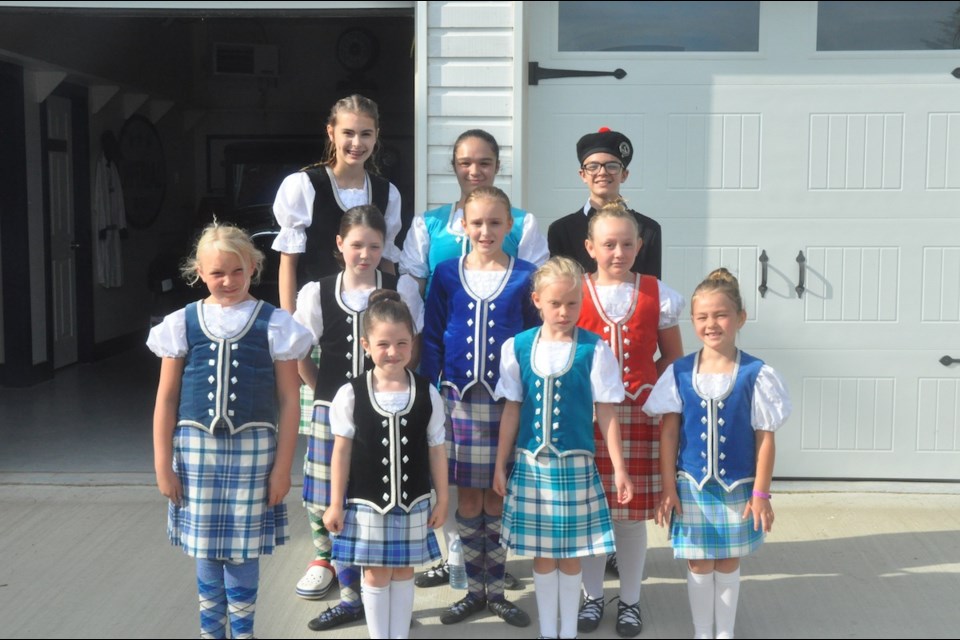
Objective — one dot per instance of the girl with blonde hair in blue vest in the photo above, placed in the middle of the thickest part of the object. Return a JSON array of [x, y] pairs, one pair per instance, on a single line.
[[332, 308], [554, 379], [225, 426], [720, 408], [476, 303], [390, 447]]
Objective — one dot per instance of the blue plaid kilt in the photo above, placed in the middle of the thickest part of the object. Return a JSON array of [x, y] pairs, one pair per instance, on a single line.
[[306, 397], [392, 539], [473, 430], [316, 461], [224, 513], [711, 527], [555, 508]]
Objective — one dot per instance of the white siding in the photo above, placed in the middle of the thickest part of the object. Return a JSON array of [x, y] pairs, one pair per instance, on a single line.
[[471, 83]]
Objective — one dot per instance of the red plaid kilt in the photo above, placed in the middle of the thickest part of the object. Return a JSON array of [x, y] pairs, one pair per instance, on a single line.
[[641, 452]]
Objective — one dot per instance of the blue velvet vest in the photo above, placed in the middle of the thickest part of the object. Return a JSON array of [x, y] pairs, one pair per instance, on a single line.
[[463, 334], [716, 436], [228, 381], [557, 410]]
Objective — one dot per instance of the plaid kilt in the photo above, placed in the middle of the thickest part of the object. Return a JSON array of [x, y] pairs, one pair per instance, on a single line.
[[711, 527], [473, 430], [224, 513], [641, 452], [316, 461], [555, 508], [306, 397], [392, 539]]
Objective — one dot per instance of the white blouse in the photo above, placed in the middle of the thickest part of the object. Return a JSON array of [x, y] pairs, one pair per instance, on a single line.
[[415, 259], [771, 402], [288, 340], [616, 300], [484, 283], [341, 412], [293, 208], [309, 311], [551, 357]]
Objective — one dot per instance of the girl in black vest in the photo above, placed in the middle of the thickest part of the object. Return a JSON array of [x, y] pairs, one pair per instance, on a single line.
[[390, 446], [332, 308]]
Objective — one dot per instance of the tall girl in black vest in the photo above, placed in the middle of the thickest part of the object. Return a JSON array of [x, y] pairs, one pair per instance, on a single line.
[[390, 420], [332, 308], [308, 208]]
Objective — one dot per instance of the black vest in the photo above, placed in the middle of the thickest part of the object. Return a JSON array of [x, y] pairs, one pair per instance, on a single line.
[[389, 460], [342, 359], [319, 258]]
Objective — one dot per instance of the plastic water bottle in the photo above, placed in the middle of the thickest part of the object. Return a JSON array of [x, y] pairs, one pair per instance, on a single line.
[[458, 573]]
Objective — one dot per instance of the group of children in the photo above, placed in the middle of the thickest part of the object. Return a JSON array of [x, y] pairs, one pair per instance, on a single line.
[[472, 369]]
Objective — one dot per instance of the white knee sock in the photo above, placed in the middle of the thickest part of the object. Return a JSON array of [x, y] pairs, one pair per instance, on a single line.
[[546, 587], [700, 590], [569, 603], [631, 536], [401, 608], [593, 569], [376, 607], [725, 603]]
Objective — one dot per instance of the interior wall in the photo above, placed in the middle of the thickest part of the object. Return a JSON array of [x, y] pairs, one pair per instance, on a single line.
[[170, 58]]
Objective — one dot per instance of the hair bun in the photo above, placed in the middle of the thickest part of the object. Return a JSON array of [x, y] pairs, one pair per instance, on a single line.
[[722, 275], [381, 295]]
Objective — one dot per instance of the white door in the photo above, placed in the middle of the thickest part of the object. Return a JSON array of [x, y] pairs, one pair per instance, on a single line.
[[852, 159], [62, 231]]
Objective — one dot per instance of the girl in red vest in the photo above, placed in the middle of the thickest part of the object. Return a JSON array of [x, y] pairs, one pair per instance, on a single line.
[[637, 315]]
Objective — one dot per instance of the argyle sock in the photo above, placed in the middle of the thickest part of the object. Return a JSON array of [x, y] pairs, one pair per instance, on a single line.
[[241, 578], [349, 577], [473, 543], [321, 537], [495, 557], [213, 598]]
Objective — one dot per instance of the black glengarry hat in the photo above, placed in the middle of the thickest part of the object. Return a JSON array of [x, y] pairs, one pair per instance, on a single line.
[[605, 141]]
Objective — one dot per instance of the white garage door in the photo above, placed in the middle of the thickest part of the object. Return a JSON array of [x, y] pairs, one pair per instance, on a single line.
[[850, 158]]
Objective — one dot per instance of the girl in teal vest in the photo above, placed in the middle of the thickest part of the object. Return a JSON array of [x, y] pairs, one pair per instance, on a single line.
[[553, 379]]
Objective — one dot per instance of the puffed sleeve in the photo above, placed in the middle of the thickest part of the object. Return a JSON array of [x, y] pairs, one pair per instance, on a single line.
[[293, 209], [416, 247], [771, 401], [288, 339], [309, 312], [509, 386], [393, 220], [409, 292], [341, 412], [665, 397], [169, 338], [605, 377], [533, 245], [436, 429], [671, 306]]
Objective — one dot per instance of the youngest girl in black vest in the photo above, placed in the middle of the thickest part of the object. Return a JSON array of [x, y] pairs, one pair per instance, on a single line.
[[389, 428]]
